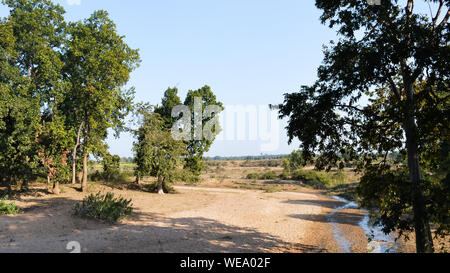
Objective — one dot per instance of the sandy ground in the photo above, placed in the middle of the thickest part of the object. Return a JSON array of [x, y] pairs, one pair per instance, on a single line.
[[193, 220]]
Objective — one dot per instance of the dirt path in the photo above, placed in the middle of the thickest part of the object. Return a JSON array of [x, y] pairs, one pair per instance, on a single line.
[[194, 220]]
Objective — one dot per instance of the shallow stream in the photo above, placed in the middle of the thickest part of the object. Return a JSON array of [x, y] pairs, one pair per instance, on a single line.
[[379, 243]]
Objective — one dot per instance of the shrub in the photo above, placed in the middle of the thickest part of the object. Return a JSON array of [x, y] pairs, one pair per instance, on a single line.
[[314, 179], [104, 207], [111, 166], [268, 175], [339, 178], [253, 176], [265, 176], [116, 177], [285, 175], [8, 208]]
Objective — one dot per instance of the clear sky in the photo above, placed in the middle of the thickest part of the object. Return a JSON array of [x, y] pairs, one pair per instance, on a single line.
[[250, 52]]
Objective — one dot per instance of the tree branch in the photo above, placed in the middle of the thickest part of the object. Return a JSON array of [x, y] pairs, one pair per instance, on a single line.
[[445, 20], [394, 88], [350, 106], [410, 8], [438, 13]]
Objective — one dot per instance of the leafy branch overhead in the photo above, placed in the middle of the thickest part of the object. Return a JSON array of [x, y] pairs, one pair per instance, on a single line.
[[382, 88]]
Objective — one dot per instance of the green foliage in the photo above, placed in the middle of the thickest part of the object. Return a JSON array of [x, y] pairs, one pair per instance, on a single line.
[[389, 192], [8, 208], [252, 176], [57, 81], [197, 146], [395, 59], [270, 175], [153, 188], [97, 66], [296, 160], [320, 180], [158, 154], [317, 180], [111, 166], [169, 101], [116, 177], [104, 207]]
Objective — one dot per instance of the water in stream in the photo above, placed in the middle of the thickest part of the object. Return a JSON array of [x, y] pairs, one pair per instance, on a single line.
[[380, 242]]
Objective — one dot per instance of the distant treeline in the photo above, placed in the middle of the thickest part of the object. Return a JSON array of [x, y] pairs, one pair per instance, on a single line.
[[259, 157]]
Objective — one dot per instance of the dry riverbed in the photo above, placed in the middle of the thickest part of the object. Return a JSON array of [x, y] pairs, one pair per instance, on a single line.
[[192, 220]]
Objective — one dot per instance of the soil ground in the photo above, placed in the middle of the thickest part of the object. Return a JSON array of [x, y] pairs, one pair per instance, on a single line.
[[194, 219]]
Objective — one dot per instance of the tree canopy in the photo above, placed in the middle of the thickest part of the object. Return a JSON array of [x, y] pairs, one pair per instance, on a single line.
[[382, 88]]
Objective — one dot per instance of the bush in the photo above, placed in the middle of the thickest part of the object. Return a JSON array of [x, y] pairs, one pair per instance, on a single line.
[[104, 207], [265, 176], [268, 175], [8, 208], [285, 175], [116, 177], [253, 176], [314, 179]]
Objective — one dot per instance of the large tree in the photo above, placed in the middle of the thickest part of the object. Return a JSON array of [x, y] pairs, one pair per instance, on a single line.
[[382, 88], [38, 31], [169, 101], [200, 139], [19, 115], [157, 153], [98, 64]]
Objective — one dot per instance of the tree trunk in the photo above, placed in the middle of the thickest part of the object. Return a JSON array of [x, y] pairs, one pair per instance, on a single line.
[[56, 189], [85, 156], [25, 186], [160, 185], [138, 180], [8, 185], [80, 176], [424, 239], [74, 156], [85, 172]]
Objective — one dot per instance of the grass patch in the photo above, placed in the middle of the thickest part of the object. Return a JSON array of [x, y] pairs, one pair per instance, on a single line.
[[254, 186], [104, 207], [116, 177], [8, 208], [320, 180], [270, 175]]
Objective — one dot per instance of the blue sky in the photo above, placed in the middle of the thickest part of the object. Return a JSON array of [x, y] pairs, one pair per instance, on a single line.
[[250, 52]]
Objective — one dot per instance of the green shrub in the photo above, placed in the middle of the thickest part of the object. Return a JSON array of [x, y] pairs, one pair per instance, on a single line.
[[253, 176], [314, 179], [339, 178], [265, 176], [8, 208], [268, 175], [285, 175], [116, 177], [104, 207]]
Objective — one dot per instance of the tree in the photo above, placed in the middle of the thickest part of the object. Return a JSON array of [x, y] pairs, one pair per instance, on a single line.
[[157, 153], [111, 165], [32, 82], [296, 160], [396, 59], [98, 64], [53, 147], [168, 103], [200, 141]]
